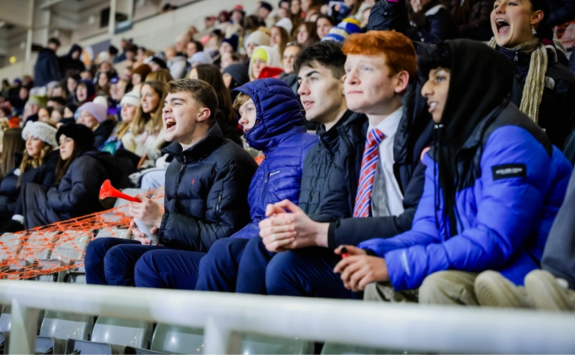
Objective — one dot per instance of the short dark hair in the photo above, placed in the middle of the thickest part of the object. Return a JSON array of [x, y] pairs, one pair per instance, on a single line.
[[132, 48], [326, 53], [55, 41], [440, 56], [200, 90], [112, 50]]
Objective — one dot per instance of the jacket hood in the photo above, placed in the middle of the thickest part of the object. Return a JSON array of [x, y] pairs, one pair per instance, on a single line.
[[273, 58], [492, 77], [73, 49], [89, 87], [278, 115]]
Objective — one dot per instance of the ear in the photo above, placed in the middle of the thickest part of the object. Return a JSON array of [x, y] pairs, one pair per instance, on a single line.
[[204, 115], [537, 17], [402, 81]]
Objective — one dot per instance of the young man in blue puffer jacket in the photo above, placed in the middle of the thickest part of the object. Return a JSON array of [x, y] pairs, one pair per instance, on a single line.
[[273, 123], [494, 184]]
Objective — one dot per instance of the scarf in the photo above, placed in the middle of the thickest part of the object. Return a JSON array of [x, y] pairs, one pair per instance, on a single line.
[[535, 81]]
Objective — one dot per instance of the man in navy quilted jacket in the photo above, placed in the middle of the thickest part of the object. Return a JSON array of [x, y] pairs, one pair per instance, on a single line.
[[205, 195], [273, 123], [493, 186]]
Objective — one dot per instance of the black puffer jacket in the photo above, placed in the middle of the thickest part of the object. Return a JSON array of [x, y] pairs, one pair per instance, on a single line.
[[413, 135], [331, 169], [68, 63], [557, 109], [9, 188], [206, 192], [77, 193]]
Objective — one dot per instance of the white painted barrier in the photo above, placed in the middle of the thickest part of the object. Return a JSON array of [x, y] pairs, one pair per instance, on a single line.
[[223, 316]]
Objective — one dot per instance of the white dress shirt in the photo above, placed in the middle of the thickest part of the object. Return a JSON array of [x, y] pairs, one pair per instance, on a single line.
[[386, 196]]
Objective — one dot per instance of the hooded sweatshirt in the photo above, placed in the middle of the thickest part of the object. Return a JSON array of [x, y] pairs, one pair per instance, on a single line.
[[493, 185], [68, 63], [280, 133], [267, 53]]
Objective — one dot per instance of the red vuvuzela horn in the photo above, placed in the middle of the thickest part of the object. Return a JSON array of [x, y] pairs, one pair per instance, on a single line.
[[107, 190]]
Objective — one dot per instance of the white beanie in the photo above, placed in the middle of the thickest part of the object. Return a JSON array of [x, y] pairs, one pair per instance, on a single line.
[[131, 98], [101, 100], [41, 130], [286, 24], [258, 37]]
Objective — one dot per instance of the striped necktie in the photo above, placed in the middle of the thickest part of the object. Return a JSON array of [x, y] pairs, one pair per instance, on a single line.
[[368, 166]]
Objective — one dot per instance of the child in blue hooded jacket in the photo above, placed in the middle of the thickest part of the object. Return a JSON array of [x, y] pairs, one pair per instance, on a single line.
[[273, 123]]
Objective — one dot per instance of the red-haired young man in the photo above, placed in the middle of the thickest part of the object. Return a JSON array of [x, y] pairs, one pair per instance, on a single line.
[[380, 72]]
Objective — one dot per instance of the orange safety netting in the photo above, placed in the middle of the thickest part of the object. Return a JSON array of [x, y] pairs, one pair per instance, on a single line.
[[61, 246]]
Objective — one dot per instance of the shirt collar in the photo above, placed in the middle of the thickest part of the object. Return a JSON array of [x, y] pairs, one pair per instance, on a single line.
[[390, 125]]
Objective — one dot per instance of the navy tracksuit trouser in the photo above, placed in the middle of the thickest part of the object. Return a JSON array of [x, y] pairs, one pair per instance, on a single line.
[[235, 265], [111, 261]]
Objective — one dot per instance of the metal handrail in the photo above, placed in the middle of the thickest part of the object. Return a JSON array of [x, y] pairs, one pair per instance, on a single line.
[[224, 316]]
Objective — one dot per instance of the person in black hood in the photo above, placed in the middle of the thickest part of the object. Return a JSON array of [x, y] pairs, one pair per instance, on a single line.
[[494, 183], [71, 61], [235, 75], [47, 68], [80, 172]]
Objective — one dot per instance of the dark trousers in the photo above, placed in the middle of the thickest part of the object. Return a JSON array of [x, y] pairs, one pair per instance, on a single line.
[[235, 265], [168, 268], [306, 272], [111, 261], [35, 206]]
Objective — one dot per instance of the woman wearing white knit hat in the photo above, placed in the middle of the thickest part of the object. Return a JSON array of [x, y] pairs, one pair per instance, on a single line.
[[130, 103], [38, 165]]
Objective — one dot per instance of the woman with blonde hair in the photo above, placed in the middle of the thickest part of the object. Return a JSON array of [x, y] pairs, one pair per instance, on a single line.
[[146, 134]]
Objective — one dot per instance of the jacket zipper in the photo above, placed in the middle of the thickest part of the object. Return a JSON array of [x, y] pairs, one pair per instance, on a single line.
[[218, 204], [180, 178]]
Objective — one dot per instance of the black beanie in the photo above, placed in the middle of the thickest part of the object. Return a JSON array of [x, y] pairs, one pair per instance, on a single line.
[[83, 136]]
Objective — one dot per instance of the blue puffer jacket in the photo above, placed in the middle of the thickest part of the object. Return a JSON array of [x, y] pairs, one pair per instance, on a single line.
[[512, 184], [280, 133]]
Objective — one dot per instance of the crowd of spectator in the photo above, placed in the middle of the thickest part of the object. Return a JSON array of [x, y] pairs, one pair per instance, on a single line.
[[417, 152]]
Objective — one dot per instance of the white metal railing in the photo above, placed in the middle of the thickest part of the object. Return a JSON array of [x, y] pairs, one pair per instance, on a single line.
[[223, 316]]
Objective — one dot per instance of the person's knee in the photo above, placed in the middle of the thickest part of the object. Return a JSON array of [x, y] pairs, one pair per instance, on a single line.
[[219, 252], [281, 272], [433, 285], [146, 272], [96, 251]]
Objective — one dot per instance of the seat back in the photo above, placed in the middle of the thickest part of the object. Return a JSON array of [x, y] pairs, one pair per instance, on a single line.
[[10, 245], [38, 246], [71, 245], [263, 344], [63, 325], [125, 332], [173, 339], [6, 319]]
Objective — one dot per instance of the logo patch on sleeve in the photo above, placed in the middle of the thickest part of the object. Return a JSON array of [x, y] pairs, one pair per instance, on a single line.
[[509, 171]]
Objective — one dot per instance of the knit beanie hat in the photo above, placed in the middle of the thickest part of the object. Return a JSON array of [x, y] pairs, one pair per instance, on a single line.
[[233, 41], [101, 100], [258, 37], [159, 61], [239, 74], [131, 98], [200, 58], [96, 110], [286, 24], [41, 130], [143, 70], [345, 28], [266, 5], [83, 136], [41, 101]]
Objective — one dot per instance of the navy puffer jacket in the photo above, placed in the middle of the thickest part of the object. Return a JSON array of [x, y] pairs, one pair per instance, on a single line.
[[280, 133], [206, 192]]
